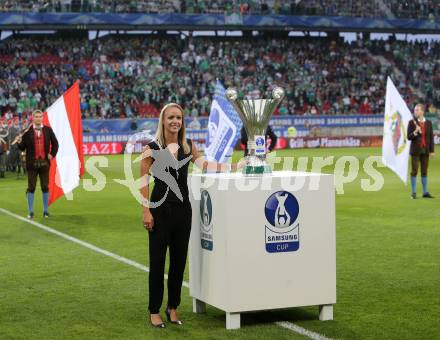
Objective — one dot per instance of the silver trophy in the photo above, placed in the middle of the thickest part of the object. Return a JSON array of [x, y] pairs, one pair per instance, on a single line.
[[255, 115]]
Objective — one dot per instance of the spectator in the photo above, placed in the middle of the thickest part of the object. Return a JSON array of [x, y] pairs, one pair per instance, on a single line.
[[423, 9], [131, 76]]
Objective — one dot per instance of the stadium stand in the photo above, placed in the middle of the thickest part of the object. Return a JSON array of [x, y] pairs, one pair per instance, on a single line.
[[355, 8], [132, 76]]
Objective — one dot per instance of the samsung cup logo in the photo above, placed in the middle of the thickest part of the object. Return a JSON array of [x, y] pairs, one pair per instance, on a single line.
[[259, 141], [282, 225], [260, 145], [206, 221]]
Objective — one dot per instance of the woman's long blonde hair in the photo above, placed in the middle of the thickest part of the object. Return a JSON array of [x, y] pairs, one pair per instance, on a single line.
[[181, 137]]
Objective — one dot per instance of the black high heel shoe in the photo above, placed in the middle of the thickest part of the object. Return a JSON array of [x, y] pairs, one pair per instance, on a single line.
[[177, 322], [160, 325]]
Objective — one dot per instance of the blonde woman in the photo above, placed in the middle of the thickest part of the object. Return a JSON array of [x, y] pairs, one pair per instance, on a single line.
[[167, 213]]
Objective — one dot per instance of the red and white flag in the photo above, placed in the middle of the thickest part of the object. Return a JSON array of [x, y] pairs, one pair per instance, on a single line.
[[64, 117]]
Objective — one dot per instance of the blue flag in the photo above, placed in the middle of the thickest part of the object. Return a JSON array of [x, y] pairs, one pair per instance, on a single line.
[[224, 127]]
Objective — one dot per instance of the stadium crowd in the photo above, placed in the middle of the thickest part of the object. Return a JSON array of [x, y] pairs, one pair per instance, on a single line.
[[418, 61], [356, 8], [128, 77], [415, 9]]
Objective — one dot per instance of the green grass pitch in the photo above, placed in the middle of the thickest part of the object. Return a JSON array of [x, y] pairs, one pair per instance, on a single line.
[[388, 267]]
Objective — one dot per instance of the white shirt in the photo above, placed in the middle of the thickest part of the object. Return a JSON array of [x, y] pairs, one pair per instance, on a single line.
[[38, 129]]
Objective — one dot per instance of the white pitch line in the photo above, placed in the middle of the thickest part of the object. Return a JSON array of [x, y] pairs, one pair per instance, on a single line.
[[84, 244], [284, 324], [301, 330]]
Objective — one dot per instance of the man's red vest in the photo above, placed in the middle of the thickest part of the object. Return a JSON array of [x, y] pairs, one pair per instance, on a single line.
[[39, 144]]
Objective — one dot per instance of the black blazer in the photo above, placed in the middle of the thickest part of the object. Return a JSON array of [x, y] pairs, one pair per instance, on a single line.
[[269, 133], [27, 143], [416, 139]]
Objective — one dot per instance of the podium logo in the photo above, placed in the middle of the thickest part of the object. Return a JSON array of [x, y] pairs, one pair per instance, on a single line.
[[206, 221], [282, 227]]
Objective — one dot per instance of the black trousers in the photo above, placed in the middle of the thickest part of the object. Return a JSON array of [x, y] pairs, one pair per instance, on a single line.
[[39, 169], [423, 159], [172, 227]]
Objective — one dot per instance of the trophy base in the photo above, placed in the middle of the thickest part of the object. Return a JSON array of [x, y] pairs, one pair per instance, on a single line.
[[250, 170]]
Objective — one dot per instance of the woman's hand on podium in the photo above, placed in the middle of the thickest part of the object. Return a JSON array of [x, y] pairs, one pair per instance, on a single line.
[[148, 220]]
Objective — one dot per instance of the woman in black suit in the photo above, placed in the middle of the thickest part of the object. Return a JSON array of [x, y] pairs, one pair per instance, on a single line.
[[167, 214]]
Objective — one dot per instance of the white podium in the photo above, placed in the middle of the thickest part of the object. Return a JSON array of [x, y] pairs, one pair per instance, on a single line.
[[260, 243]]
